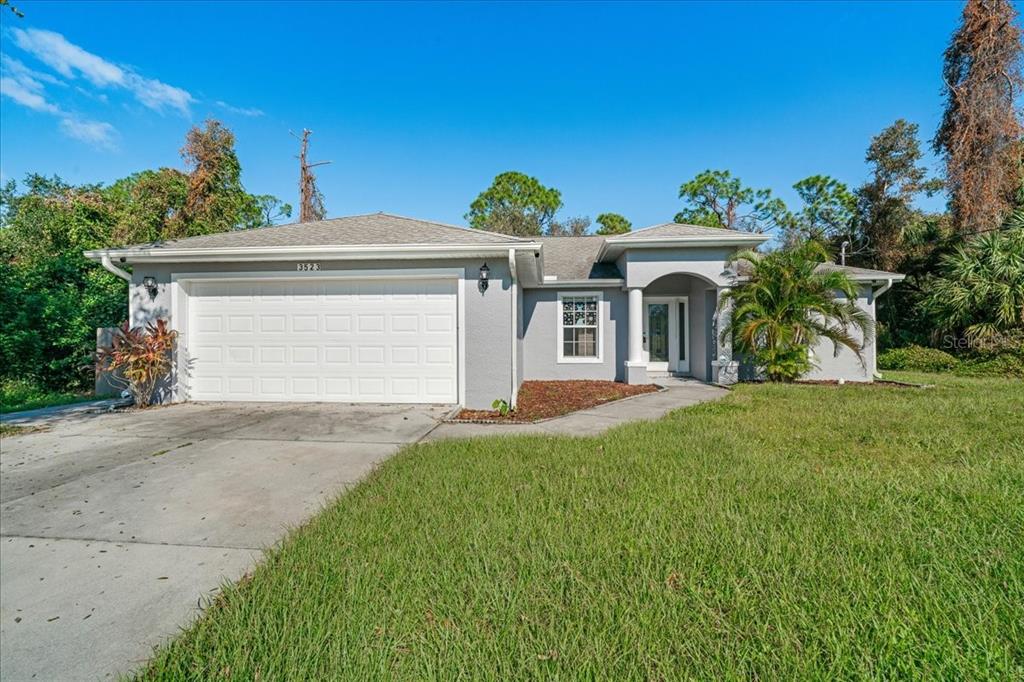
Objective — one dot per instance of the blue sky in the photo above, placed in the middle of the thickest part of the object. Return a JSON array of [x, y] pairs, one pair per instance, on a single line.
[[419, 106]]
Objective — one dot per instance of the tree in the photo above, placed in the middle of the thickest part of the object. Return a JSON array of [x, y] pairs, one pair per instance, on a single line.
[[829, 210], [216, 200], [273, 209], [576, 226], [885, 203], [717, 199], [784, 306], [613, 223], [515, 204], [311, 199], [980, 136], [979, 292]]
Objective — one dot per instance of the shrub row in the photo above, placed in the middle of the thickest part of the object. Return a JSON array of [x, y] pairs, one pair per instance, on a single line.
[[1006, 362]]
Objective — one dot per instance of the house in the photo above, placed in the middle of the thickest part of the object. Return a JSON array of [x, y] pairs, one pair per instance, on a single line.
[[382, 308]]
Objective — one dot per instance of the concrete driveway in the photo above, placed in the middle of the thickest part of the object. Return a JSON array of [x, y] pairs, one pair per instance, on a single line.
[[113, 527]]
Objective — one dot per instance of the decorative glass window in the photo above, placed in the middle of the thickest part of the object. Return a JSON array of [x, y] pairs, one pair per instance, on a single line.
[[579, 327]]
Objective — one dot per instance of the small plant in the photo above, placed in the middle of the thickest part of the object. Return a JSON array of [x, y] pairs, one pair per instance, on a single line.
[[501, 406], [139, 358]]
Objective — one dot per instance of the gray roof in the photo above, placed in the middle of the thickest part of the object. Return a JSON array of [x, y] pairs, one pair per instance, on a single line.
[[574, 258], [674, 230], [863, 274], [358, 230]]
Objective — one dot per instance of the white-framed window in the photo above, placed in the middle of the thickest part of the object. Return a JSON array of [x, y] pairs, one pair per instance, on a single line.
[[580, 337]]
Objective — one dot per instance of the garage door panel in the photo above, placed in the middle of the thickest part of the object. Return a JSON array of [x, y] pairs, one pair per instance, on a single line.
[[379, 341]]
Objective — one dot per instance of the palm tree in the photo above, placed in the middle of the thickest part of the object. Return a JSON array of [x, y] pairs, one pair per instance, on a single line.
[[980, 291], [785, 303]]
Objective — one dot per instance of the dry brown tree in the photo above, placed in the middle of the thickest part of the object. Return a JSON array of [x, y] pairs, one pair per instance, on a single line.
[[980, 137], [311, 200]]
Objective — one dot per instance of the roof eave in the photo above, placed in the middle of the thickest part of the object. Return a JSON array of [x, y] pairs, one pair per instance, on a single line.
[[619, 245], [278, 253]]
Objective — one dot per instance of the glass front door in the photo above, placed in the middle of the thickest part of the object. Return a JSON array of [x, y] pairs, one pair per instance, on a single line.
[[666, 337], [657, 336]]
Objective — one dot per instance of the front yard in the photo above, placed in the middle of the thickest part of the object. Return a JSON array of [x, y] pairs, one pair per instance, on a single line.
[[784, 532]]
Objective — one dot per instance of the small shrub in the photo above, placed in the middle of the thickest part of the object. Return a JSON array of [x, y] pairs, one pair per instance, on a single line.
[[501, 406], [139, 358], [917, 359]]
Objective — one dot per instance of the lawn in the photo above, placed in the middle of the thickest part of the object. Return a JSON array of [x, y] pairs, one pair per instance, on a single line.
[[16, 396], [784, 532]]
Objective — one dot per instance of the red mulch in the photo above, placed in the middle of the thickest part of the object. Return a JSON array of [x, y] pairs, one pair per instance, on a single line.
[[546, 399]]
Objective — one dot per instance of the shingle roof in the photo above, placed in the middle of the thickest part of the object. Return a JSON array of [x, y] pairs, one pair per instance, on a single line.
[[573, 258], [358, 230], [743, 268], [672, 230]]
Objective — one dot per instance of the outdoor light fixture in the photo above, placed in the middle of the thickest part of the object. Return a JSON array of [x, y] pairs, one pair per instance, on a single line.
[[484, 273], [150, 284]]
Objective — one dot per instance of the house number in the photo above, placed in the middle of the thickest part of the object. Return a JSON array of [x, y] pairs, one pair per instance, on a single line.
[[307, 267]]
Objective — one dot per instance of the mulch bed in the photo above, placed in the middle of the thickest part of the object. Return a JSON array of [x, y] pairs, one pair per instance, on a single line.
[[546, 399]]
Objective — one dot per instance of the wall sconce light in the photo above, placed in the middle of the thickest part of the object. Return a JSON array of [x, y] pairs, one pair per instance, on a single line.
[[150, 284], [484, 274]]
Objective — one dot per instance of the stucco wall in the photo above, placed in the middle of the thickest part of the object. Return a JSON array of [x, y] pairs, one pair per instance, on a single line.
[[488, 332], [540, 337], [643, 266], [846, 365]]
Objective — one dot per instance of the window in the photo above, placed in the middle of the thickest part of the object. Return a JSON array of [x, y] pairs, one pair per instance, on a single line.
[[579, 327]]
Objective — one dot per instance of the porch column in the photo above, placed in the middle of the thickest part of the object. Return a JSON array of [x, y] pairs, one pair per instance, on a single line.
[[636, 369], [724, 370]]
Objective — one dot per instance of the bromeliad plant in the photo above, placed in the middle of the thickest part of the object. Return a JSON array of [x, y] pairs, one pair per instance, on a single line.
[[138, 358], [785, 304]]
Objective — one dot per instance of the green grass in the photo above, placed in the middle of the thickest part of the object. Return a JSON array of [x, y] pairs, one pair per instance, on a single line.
[[16, 396], [786, 532]]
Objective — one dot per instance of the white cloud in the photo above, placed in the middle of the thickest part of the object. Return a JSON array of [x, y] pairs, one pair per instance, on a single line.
[[241, 111], [71, 61], [25, 86], [67, 58], [26, 94], [96, 133], [157, 95]]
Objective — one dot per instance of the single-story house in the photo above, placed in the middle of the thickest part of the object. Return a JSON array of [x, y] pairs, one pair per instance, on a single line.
[[382, 308]]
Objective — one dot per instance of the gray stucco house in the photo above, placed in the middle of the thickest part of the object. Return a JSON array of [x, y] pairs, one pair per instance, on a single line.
[[382, 308]]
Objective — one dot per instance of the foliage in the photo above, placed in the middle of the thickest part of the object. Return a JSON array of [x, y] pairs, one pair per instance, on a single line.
[[52, 299], [1009, 364], [981, 138], [502, 406], [613, 223], [20, 394], [885, 203], [138, 359], [917, 359], [216, 200], [785, 305], [785, 532], [828, 213], [576, 226], [980, 289], [515, 204], [714, 198], [272, 209]]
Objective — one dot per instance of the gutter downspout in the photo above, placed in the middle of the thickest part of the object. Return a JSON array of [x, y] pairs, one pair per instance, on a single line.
[[110, 267], [874, 297], [514, 394]]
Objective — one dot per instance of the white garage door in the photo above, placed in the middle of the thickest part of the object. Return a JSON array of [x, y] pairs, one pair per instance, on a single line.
[[326, 340]]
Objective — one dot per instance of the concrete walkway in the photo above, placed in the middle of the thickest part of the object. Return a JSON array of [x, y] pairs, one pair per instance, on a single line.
[[54, 413], [650, 406]]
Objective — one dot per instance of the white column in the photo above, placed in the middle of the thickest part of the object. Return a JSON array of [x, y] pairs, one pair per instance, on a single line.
[[636, 368], [636, 325], [724, 369]]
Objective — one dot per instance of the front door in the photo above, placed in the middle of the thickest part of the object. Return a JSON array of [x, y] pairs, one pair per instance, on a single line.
[[666, 334]]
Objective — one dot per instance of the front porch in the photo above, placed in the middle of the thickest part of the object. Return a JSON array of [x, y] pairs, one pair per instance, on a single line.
[[674, 324]]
